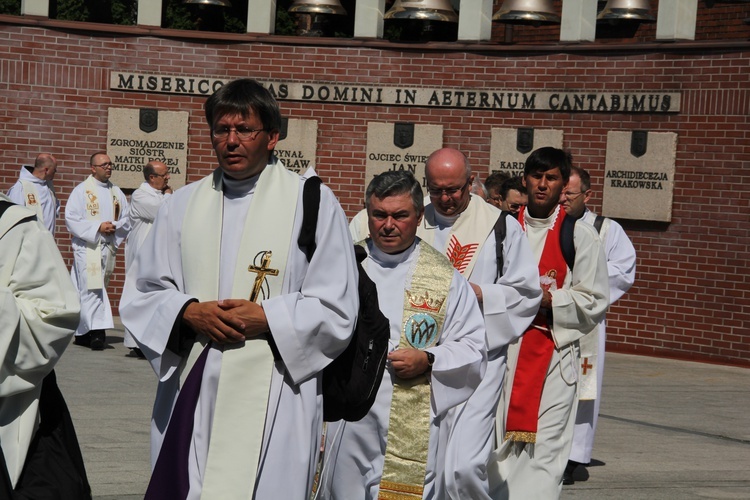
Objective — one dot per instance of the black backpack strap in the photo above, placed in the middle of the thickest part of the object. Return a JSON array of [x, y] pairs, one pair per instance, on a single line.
[[598, 223], [566, 240], [500, 230], [310, 206]]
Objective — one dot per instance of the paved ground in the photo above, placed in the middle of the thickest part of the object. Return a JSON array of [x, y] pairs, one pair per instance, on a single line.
[[668, 429]]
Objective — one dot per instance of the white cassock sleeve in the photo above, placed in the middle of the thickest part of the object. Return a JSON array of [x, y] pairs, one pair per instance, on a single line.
[[620, 261], [579, 306], [461, 355], [511, 302], [75, 217]]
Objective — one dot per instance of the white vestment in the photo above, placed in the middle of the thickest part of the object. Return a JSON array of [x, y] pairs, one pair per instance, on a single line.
[[144, 204], [96, 312], [311, 323], [621, 270], [356, 450], [41, 199], [534, 471], [40, 311], [509, 304], [358, 226]]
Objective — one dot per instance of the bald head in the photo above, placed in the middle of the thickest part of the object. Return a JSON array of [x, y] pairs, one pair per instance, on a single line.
[[156, 174], [45, 167], [449, 179]]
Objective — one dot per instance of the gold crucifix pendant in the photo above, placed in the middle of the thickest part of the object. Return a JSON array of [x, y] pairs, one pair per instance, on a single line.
[[262, 271]]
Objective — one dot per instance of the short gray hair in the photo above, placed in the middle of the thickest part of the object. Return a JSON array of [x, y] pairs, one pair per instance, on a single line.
[[395, 182]]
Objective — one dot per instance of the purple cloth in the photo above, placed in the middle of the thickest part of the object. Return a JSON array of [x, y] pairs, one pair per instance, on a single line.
[[170, 479]]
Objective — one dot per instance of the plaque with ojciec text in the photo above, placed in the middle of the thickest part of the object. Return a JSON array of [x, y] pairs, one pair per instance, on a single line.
[[509, 148], [639, 175], [400, 146], [137, 136], [298, 145]]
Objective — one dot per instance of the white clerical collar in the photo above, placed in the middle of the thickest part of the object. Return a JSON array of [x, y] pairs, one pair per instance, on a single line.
[[445, 220], [389, 259], [547, 222], [238, 188], [100, 183]]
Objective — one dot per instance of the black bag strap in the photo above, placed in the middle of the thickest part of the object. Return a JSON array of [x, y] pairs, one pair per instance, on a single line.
[[310, 207], [598, 223], [500, 230], [566, 240]]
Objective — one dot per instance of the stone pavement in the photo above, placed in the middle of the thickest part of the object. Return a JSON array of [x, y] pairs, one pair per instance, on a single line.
[[668, 429]]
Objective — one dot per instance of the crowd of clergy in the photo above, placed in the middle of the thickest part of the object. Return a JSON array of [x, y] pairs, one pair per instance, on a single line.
[[495, 296]]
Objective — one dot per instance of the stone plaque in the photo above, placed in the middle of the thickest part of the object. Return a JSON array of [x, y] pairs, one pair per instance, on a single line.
[[639, 187], [509, 148], [299, 145], [137, 136], [383, 154]]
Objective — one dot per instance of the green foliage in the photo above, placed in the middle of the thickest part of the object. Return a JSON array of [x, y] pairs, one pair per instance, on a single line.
[[11, 7]]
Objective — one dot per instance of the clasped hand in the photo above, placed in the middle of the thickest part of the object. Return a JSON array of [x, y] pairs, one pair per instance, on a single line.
[[408, 363], [226, 321]]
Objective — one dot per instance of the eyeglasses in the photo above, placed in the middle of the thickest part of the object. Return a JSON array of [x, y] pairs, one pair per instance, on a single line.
[[572, 196], [104, 165], [160, 175], [436, 193], [243, 133]]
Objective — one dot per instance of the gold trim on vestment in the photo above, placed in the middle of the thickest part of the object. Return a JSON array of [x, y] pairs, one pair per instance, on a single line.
[[520, 436], [408, 438]]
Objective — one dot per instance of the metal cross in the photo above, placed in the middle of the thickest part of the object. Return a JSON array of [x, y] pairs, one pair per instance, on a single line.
[[263, 270]]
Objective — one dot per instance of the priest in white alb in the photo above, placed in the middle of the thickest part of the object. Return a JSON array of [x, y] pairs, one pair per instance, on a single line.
[[236, 323], [504, 278], [437, 358], [35, 191], [97, 217], [144, 205], [40, 311]]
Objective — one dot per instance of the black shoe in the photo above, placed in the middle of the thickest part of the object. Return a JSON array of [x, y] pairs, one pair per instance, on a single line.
[[567, 478], [98, 338], [137, 353], [83, 340]]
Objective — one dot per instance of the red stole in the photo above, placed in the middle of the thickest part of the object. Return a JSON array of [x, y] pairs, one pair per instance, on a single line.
[[537, 345]]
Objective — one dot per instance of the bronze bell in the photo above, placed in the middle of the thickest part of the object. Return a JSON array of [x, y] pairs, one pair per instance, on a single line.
[[217, 3], [626, 10], [527, 12], [317, 7], [424, 10]]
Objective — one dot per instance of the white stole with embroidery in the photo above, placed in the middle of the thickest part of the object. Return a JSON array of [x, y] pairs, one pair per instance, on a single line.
[[246, 368], [467, 234]]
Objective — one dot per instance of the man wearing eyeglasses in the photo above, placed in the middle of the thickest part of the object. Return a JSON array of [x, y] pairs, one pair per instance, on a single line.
[[621, 271], [462, 227], [97, 217], [513, 195], [235, 321], [144, 205]]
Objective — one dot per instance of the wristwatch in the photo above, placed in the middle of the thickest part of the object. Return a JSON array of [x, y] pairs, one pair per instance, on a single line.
[[430, 359]]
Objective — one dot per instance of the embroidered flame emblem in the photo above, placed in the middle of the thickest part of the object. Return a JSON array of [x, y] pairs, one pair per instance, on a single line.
[[460, 255]]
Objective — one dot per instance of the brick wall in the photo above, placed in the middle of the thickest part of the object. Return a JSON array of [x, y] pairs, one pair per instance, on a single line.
[[691, 297]]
